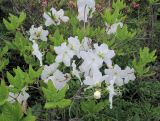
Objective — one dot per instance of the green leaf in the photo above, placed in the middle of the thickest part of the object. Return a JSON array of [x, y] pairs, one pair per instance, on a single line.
[[145, 58], [20, 80], [100, 106], [112, 17], [34, 74], [50, 58], [51, 93], [3, 61], [50, 90], [3, 94], [91, 107], [63, 91], [3, 51], [29, 116], [22, 17], [136, 118], [87, 106], [11, 79], [118, 5], [57, 38], [79, 32], [14, 21], [22, 44], [74, 22], [123, 33], [61, 104], [153, 1], [14, 112], [107, 16], [24, 47], [29, 59], [11, 112], [55, 98]]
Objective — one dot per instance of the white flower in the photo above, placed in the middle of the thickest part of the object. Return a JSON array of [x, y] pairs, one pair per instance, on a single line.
[[116, 72], [121, 76], [111, 29], [86, 44], [74, 44], [104, 53], [129, 75], [38, 33], [95, 79], [97, 94], [49, 70], [59, 79], [64, 54], [75, 72], [21, 97], [55, 17], [37, 52], [48, 19], [12, 97], [110, 88], [56, 76], [91, 62], [85, 9]]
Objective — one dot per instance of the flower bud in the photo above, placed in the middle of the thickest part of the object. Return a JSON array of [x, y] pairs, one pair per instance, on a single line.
[[97, 94]]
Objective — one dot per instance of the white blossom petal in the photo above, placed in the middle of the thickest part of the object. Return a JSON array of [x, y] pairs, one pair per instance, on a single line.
[[55, 17], [38, 33], [111, 29], [85, 9], [37, 52]]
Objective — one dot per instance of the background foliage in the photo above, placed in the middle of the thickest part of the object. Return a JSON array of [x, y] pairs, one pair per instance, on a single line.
[[139, 100]]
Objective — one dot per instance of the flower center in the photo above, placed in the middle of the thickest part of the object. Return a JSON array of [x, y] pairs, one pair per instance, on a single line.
[[101, 55]]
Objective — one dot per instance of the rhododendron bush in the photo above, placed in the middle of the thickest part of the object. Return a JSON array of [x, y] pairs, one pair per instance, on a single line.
[[68, 60]]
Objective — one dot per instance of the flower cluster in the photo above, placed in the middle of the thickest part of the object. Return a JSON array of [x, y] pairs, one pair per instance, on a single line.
[[91, 63], [53, 17], [73, 55], [37, 34], [86, 8]]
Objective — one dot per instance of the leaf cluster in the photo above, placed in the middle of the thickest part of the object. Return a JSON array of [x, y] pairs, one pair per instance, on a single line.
[[14, 22], [55, 99], [145, 58]]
